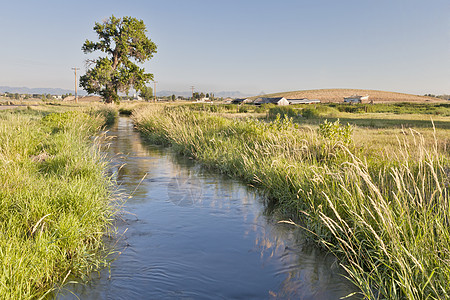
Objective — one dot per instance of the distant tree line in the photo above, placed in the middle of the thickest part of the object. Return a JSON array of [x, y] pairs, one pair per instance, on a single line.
[[444, 97], [44, 97], [15, 96], [201, 95]]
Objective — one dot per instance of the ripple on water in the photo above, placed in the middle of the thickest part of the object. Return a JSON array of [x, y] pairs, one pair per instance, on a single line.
[[192, 234]]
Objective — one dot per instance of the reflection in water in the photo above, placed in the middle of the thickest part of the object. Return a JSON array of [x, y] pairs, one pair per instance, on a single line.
[[192, 234]]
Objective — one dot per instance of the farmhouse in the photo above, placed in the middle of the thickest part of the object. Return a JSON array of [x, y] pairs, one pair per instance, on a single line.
[[277, 101], [356, 99], [241, 101], [303, 101]]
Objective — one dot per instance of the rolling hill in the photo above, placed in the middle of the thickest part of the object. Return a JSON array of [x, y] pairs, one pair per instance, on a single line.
[[337, 95]]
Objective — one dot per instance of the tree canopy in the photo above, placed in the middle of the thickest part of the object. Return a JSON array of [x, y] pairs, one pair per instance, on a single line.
[[124, 42], [146, 93]]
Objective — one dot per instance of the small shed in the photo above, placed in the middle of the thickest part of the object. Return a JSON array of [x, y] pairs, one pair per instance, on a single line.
[[303, 101], [356, 99]]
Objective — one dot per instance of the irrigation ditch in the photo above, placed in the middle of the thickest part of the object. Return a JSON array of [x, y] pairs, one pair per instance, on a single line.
[[192, 233]]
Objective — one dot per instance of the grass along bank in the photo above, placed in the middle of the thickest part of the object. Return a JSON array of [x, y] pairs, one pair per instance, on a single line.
[[54, 200], [384, 214]]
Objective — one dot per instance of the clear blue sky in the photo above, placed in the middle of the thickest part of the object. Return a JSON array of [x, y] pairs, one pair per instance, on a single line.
[[245, 45]]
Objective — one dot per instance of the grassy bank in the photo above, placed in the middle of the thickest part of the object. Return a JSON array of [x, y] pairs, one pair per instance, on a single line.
[[54, 199], [384, 213]]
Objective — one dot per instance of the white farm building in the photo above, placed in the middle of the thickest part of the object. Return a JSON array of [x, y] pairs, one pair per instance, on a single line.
[[277, 101], [356, 99]]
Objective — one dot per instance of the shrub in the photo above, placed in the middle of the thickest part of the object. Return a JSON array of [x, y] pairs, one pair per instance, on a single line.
[[243, 109], [108, 113], [229, 106], [310, 113], [336, 132], [282, 111]]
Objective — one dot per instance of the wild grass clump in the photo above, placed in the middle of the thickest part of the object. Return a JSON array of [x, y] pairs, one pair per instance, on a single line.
[[389, 221], [244, 108], [211, 107], [335, 131], [54, 204], [318, 111], [283, 111], [386, 216], [104, 114], [127, 108], [108, 113], [264, 108]]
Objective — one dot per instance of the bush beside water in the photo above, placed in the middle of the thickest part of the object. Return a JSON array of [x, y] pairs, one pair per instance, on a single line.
[[386, 216]]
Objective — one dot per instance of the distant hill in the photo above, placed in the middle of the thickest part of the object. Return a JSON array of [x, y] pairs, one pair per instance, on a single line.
[[337, 95], [26, 90]]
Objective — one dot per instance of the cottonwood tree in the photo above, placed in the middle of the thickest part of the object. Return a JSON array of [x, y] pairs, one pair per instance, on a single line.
[[125, 43], [146, 93]]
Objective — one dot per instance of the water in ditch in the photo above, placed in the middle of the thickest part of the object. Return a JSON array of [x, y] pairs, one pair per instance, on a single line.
[[189, 233]]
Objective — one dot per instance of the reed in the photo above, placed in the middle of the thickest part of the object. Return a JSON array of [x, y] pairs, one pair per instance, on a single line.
[[54, 200], [385, 215]]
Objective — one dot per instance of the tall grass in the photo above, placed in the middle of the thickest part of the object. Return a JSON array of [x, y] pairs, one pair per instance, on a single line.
[[106, 114], [386, 216], [54, 201], [396, 108]]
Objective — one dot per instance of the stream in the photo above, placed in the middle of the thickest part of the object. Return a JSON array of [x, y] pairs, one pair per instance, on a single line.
[[189, 233]]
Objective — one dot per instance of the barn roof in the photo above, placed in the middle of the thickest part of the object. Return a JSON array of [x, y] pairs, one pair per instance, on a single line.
[[303, 101], [239, 100]]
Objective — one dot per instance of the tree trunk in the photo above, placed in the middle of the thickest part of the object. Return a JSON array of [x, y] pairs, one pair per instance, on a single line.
[[108, 94], [108, 99], [115, 59]]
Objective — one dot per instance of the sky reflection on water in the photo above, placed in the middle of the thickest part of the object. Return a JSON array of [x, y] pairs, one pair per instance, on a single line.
[[193, 234]]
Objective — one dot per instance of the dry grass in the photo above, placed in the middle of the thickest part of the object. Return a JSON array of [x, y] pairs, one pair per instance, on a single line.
[[337, 95]]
